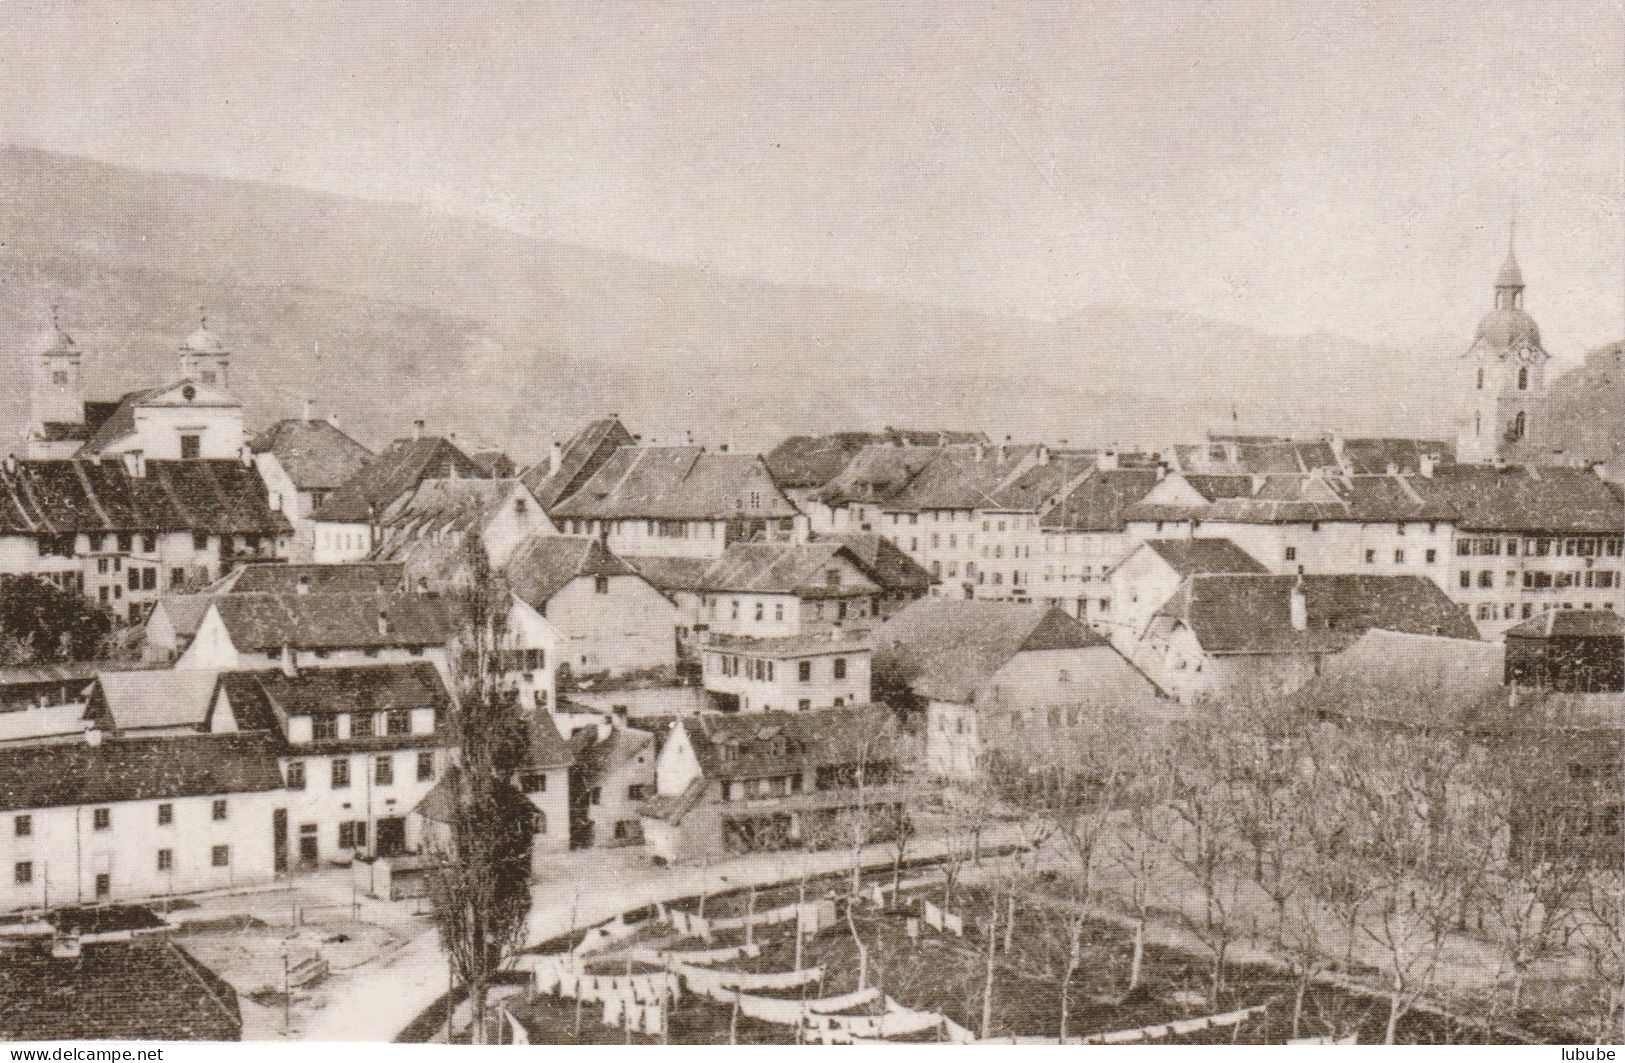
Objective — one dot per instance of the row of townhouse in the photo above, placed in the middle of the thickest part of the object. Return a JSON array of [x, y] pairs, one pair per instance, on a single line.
[[180, 782], [125, 531]]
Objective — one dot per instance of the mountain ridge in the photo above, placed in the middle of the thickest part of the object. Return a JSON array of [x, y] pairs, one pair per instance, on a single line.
[[518, 340]]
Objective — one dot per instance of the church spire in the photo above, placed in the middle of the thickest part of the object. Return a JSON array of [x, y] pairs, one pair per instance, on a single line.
[[1509, 282]]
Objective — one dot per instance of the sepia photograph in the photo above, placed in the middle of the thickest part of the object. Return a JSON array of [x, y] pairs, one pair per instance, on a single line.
[[646, 523]]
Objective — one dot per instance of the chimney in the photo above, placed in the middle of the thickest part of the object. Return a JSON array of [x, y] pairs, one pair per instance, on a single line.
[[1162, 470], [384, 627], [1427, 463], [423, 584], [1299, 607], [1107, 460], [417, 428], [310, 410], [303, 586], [1043, 454], [555, 456], [290, 665], [617, 717], [333, 419], [11, 464], [65, 947], [135, 463], [93, 734], [1393, 468], [245, 456]]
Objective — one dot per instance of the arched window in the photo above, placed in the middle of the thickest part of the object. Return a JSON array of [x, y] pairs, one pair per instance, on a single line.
[[1518, 426], [1481, 378], [1523, 378]]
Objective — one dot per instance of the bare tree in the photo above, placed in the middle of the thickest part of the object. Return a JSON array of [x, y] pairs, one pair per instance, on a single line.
[[480, 875]]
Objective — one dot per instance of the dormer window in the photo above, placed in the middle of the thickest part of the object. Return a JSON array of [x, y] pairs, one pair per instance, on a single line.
[[519, 506]]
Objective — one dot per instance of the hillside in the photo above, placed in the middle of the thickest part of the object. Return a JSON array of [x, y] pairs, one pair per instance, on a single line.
[[518, 340], [1585, 416]]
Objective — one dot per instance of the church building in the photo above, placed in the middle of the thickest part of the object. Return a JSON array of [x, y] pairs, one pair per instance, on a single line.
[[193, 417], [1506, 373]]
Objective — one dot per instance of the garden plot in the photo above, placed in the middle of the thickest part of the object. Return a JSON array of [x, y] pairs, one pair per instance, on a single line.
[[911, 971]]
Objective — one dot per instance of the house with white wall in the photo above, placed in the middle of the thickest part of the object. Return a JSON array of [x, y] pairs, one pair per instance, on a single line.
[[996, 677], [1153, 570], [346, 527], [793, 673], [303, 461], [608, 617]]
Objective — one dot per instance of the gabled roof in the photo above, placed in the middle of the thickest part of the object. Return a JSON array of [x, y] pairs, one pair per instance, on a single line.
[[1571, 624], [1233, 614], [280, 577], [1188, 557], [54, 497], [671, 574], [1525, 498], [548, 748], [151, 699], [397, 471], [1256, 455], [587, 450], [457, 502], [813, 461], [136, 769], [184, 612], [598, 757], [315, 454], [955, 646], [1334, 497], [885, 562], [1101, 501], [1398, 454], [876, 474], [677, 483], [964, 478], [1396, 667], [787, 568], [264, 622], [1041, 486], [764, 742], [357, 688], [543, 565], [120, 422], [42, 723], [784, 647], [143, 989]]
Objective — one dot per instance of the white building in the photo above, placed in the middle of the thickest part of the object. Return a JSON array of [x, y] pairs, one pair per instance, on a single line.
[[302, 462], [797, 673]]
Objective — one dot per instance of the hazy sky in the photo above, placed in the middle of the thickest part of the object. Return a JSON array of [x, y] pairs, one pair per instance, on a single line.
[[1297, 166]]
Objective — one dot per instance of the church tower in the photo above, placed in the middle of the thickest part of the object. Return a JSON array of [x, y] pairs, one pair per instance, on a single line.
[[204, 359], [56, 379], [1505, 380]]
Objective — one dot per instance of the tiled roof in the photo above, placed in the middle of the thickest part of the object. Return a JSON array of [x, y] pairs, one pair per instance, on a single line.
[[876, 474], [1101, 501], [185, 612], [1571, 623], [587, 450], [953, 646], [598, 757], [1396, 668], [1190, 556], [543, 565], [813, 461], [458, 503], [357, 688], [1214, 487], [1041, 486], [671, 574], [1334, 497], [285, 578], [144, 989], [786, 646], [548, 748], [72, 496], [1263, 455], [787, 568], [964, 478], [766, 742], [151, 699], [315, 454], [136, 769], [1401, 455], [65, 431], [1523, 498], [403, 465], [1230, 613], [40, 723], [886, 564], [677, 483], [262, 622], [119, 421]]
